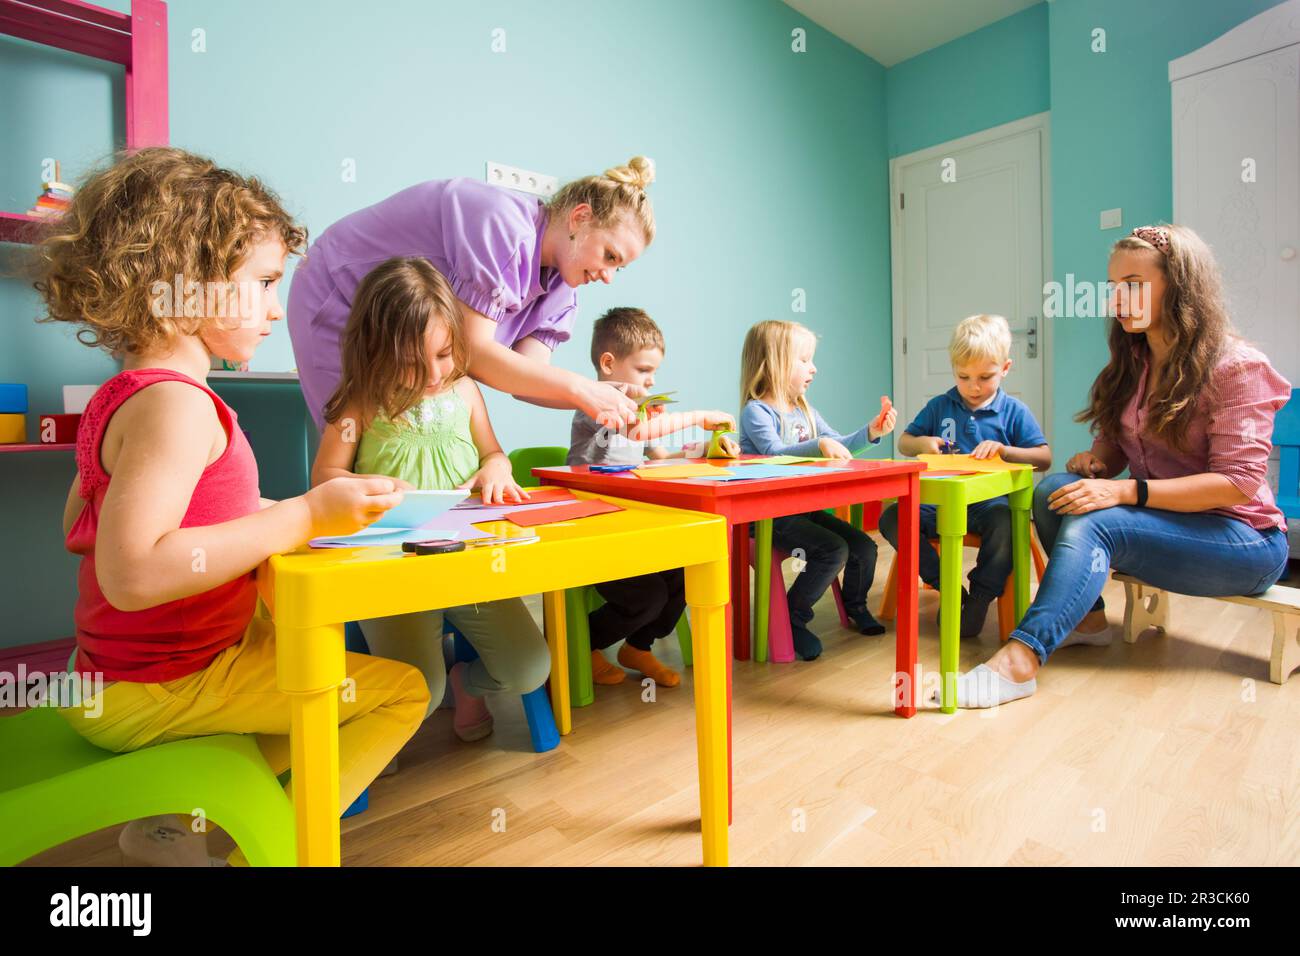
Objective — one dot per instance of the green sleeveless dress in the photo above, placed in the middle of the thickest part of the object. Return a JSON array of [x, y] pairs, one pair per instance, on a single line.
[[430, 445]]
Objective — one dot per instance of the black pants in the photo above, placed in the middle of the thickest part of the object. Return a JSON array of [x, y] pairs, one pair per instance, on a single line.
[[640, 610], [828, 544]]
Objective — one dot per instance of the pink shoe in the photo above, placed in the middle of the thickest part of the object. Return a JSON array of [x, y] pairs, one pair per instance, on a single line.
[[473, 721]]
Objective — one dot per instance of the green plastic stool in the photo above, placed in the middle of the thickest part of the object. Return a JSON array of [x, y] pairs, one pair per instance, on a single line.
[[57, 786], [578, 603], [524, 460]]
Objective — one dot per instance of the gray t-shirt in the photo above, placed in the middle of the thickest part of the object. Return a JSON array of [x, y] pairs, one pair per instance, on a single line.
[[591, 443]]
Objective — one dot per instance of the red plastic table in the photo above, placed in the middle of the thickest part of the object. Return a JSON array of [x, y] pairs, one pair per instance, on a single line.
[[740, 502]]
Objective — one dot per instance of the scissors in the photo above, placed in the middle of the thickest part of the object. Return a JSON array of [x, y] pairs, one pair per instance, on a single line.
[[948, 448]]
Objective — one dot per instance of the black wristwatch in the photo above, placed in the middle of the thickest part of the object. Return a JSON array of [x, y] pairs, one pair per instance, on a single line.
[[1141, 492]]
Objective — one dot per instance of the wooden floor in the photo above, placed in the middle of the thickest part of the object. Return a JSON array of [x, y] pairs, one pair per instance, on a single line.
[[1174, 751]]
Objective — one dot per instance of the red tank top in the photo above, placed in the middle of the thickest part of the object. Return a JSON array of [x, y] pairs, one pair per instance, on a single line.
[[180, 637]]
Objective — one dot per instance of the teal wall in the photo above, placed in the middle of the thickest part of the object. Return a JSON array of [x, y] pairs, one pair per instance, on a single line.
[[752, 143], [991, 76], [1112, 147]]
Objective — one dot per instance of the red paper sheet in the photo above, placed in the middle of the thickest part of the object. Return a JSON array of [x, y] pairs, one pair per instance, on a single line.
[[579, 509], [536, 496]]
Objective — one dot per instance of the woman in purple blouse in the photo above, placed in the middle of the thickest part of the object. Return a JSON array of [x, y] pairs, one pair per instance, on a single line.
[[1187, 407], [513, 261]]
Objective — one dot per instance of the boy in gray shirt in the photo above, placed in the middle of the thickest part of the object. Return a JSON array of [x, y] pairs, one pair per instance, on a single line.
[[627, 346]]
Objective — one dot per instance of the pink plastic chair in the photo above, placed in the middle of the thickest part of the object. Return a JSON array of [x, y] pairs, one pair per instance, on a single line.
[[780, 638]]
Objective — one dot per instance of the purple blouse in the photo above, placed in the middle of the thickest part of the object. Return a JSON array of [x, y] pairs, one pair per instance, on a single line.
[[487, 242]]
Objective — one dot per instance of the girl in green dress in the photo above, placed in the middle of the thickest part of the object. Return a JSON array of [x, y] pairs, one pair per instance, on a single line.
[[405, 409]]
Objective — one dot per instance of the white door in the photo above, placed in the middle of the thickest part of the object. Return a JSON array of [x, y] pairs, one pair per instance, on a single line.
[[969, 237], [1237, 183]]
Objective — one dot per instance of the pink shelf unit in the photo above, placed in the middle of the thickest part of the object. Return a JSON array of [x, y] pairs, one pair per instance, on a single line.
[[137, 40]]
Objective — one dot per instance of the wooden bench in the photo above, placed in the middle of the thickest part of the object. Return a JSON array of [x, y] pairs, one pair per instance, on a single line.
[[1146, 606]]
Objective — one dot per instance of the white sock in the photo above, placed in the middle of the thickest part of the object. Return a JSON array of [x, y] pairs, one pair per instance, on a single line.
[[1100, 638], [985, 687]]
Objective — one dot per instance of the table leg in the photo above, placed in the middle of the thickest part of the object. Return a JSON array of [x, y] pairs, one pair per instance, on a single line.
[[907, 676], [738, 610], [762, 585], [1021, 502], [553, 603], [706, 592], [309, 668], [952, 537]]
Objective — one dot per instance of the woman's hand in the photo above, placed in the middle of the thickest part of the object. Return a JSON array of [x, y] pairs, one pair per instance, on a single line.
[[495, 482], [987, 449], [830, 448], [1087, 494], [343, 505], [608, 404], [883, 423]]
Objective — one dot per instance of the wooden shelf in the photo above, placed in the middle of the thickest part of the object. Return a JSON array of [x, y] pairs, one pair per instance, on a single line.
[[18, 227], [30, 446], [136, 40]]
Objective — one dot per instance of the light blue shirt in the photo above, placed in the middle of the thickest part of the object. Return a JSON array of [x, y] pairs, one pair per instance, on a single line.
[[766, 431]]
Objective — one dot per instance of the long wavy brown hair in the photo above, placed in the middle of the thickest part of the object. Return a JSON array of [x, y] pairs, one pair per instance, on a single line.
[[385, 362], [151, 215], [1194, 317]]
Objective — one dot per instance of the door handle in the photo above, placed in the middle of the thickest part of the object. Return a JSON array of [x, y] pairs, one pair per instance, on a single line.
[[1031, 337]]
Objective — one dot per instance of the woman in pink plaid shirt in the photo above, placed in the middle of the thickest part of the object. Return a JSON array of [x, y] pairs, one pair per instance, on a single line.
[[1187, 406]]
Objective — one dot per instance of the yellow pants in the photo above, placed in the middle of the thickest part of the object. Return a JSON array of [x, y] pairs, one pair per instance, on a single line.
[[236, 694]]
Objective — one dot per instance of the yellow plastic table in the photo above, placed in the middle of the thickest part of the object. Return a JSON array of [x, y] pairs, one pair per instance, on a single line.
[[952, 495], [312, 593]]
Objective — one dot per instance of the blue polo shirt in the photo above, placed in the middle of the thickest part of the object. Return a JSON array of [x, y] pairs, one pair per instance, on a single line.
[[1006, 419]]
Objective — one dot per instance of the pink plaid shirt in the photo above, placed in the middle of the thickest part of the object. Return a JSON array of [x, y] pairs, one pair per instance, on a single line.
[[1230, 434]]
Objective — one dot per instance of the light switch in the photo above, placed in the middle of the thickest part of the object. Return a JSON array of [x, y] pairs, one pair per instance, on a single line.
[[1112, 218]]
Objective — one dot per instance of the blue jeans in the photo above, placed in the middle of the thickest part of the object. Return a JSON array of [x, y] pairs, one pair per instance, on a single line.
[[1201, 554], [991, 520]]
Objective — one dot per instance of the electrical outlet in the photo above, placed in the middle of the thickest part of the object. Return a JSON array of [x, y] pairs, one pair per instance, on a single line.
[[1112, 218], [512, 177]]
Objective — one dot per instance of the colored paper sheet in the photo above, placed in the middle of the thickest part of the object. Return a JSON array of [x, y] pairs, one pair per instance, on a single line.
[[778, 460], [531, 517], [536, 496], [967, 463], [681, 471], [771, 471]]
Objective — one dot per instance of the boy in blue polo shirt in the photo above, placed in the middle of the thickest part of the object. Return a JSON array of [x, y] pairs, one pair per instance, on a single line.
[[979, 419]]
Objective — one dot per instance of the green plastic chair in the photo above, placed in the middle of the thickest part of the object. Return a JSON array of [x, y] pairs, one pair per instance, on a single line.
[[57, 786], [579, 602]]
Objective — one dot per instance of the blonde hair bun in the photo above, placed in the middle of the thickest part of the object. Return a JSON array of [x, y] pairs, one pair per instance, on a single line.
[[638, 173]]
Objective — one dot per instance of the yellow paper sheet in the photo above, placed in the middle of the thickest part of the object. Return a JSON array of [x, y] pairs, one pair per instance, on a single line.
[[681, 471], [967, 463]]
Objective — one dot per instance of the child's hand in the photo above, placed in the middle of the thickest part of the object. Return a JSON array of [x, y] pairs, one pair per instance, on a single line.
[[730, 446], [712, 421], [929, 444], [344, 505], [883, 423], [987, 449], [495, 482], [401, 483], [830, 448]]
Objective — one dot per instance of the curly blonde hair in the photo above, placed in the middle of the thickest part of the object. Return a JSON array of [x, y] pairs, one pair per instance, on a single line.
[[1193, 316], [151, 215], [618, 192]]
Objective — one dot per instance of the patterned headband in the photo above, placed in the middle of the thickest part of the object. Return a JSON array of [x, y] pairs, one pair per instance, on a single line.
[[1158, 236]]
